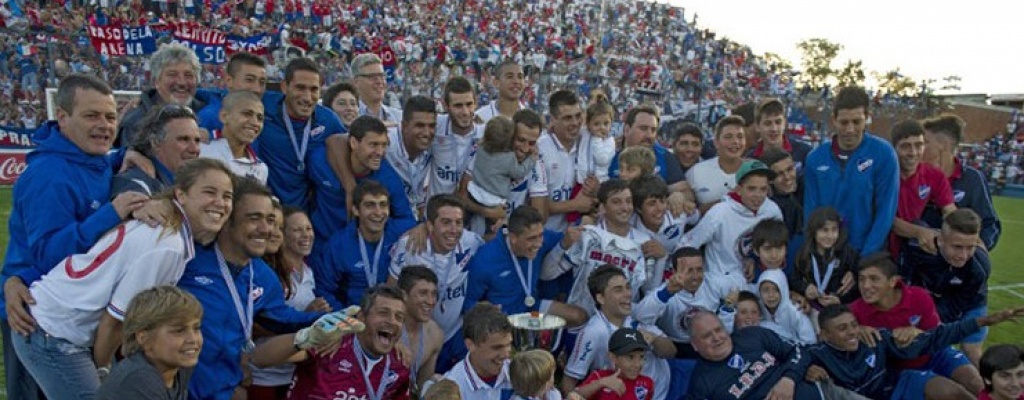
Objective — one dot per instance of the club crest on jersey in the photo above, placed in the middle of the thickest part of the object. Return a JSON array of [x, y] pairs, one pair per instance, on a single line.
[[203, 280], [95, 205], [870, 361], [863, 165], [956, 281], [736, 362], [958, 196], [914, 320], [391, 378], [672, 232], [319, 129], [257, 292], [923, 191], [640, 391], [745, 244]]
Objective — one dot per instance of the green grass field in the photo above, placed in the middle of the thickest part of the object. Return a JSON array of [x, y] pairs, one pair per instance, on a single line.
[[1006, 283]]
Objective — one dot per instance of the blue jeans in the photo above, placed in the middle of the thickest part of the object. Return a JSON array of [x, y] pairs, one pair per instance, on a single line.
[[20, 384], [63, 370]]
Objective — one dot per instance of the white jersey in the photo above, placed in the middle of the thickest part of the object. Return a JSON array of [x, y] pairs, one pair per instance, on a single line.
[[595, 156], [726, 231], [452, 153], [490, 110], [248, 166], [709, 182], [451, 276], [591, 353], [473, 388], [413, 172], [71, 298], [560, 165], [668, 314], [668, 235], [595, 248]]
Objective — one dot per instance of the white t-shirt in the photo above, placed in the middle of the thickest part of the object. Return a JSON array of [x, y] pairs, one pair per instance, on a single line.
[[709, 182], [452, 153], [451, 276], [560, 165], [71, 298], [595, 156], [249, 166]]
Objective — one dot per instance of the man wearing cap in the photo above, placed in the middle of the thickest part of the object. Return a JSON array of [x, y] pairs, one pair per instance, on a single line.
[[727, 226]]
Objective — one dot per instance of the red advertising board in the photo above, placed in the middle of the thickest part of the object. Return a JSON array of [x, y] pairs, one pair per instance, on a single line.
[[12, 165]]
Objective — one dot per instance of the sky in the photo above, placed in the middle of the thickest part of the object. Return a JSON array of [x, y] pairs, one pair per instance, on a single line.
[[925, 39]]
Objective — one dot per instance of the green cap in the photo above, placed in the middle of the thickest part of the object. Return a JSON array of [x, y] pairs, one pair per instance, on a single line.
[[753, 166]]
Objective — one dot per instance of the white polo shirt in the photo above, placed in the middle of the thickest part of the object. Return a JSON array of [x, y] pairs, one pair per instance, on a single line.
[[250, 165]]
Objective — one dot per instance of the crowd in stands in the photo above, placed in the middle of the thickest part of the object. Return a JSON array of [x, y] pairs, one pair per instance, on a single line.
[[367, 237]]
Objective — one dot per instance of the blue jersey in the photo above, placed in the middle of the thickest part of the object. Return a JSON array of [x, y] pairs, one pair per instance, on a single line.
[[492, 275], [219, 370], [338, 269], [329, 214], [864, 190], [288, 170], [60, 207], [666, 165]]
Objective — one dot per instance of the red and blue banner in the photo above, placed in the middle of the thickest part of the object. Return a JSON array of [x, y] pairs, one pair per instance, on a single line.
[[15, 144], [209, 44], [258, 45], [118, 40]]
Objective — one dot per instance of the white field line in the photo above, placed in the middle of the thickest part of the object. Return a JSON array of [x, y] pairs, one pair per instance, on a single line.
[[1006, 286]]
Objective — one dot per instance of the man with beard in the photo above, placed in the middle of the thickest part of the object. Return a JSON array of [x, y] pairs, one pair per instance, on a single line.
[[642, 130], [235, 286], [511, 83], [365, 365], [176, 73], [294, 127], [456, 137], [241, 116]]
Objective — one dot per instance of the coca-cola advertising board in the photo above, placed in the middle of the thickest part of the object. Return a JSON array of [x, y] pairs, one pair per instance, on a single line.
[[12, 165]]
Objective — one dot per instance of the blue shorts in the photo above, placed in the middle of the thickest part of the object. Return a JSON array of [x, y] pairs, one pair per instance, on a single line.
[[911, 383], [945, 361], [979, 336]]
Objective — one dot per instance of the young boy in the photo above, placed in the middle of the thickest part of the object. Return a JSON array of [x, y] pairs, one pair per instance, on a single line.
[[768, 242], [781, 315], [532, 373], [651, 216], [635, 162], [802, 305], [626, 349], [1002, 368], [748, 310]]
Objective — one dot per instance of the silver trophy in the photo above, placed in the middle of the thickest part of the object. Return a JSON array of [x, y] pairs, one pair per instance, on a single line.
[[534, 330]]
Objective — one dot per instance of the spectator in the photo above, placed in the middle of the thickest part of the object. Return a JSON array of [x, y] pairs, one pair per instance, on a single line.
[[342, 99], [640, 130]]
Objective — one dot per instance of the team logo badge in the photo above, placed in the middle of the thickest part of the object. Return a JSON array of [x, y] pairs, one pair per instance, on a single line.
[[958, 196], [95, 205], [257, 292], [736, 362], [345, 366], [391, 378], [203, 280], [923, 191], [914, 320], [865, 164], [870, 361], [640, 391], [956, 281], [823, 168], [319, 129]]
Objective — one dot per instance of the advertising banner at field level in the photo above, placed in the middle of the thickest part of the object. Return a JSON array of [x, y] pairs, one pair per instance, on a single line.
[[15, 144]]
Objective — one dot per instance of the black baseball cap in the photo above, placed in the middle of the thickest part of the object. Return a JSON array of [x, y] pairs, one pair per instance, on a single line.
[[627, 340]]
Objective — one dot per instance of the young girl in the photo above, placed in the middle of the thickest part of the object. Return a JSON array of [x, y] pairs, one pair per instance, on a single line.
[[780, 314], [596, 150], [825, 263], [1002, 369], [162, 340], [497, 164], [80, 303], [297, 281]]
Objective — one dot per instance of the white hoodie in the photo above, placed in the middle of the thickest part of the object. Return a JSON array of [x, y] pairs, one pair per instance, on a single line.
[[787, 321], [726, 231]]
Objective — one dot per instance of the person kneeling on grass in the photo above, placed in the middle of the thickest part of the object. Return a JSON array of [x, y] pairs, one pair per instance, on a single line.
[[162, 341]]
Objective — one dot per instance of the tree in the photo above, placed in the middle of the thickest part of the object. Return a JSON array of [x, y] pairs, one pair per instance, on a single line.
[[775, 63], [818, 54], [895, 83], [852, 74]]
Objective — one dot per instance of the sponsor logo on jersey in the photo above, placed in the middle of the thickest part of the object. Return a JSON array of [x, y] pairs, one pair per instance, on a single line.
[[823, 168], [203, 280], [751, 373], [561, 194], [317, 130], [923, 191], [447, 173], [504, 274], [257, 292], [345, 366], [606, 258], [956, 281]]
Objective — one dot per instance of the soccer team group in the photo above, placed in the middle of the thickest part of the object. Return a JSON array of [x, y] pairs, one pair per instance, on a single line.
[[246, 243]]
